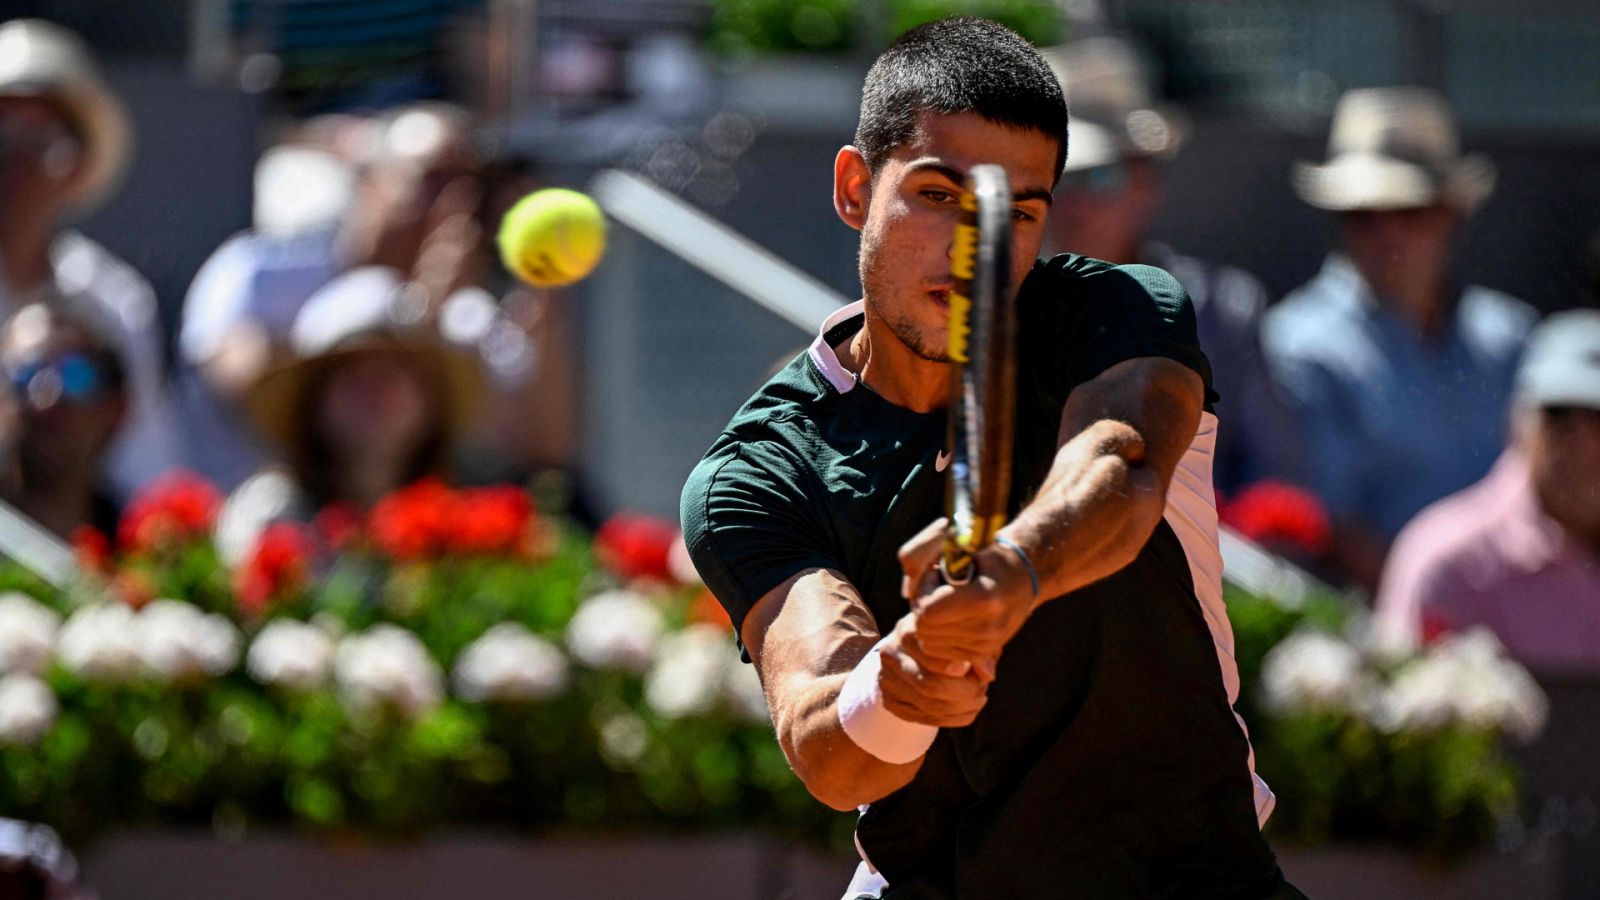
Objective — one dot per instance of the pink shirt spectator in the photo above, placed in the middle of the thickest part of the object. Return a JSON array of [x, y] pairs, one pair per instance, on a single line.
[[1490, 556]]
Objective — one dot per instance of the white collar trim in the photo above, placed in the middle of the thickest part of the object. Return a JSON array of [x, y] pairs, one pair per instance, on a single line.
[[823, 356]]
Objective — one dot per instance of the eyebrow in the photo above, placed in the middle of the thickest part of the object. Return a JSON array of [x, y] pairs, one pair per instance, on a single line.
[[956, 176]]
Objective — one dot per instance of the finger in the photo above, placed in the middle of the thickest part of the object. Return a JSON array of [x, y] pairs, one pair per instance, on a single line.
[[934, 660], [903, 676], [947, 716], [919, 554]]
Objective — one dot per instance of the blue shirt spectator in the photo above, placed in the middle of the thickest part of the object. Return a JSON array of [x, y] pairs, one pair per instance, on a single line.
[[1393, 420]]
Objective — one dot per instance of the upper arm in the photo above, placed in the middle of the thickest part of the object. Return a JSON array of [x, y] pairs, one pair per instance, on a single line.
[[749, 526], [813, 625], [1145, 409]]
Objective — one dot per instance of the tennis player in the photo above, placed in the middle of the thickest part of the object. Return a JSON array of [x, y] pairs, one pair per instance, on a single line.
[[1062, 726]]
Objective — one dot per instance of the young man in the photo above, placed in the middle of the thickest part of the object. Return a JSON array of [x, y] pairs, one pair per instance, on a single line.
[[1062, 725]]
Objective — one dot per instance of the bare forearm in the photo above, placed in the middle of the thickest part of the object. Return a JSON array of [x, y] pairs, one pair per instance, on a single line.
[[832, 767], [1096, 509]]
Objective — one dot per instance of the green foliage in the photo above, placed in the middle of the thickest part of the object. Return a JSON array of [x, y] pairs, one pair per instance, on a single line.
[[760, 27]]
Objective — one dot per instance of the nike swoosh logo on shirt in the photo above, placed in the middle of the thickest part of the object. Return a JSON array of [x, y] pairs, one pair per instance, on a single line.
[[942, 461]]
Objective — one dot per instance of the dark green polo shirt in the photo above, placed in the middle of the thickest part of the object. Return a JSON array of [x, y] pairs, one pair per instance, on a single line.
[[1108, 759]]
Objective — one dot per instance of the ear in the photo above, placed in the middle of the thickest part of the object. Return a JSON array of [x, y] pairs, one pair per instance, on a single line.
[[852, 187]]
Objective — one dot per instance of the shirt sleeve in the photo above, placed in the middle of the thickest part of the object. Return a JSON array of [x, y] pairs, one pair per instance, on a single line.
[[1132, 312], [749, 527], [218, 299]]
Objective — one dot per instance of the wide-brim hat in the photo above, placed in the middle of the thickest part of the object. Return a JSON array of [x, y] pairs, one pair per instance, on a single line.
[[41, 59], [361, 315], [1113, 114], [1394, 148]]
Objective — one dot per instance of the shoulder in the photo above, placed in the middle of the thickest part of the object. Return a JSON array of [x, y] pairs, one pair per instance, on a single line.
[[1308, 324], [1496, 319], [763, 439], [84, 266], [1451, 533], [1101, 289]]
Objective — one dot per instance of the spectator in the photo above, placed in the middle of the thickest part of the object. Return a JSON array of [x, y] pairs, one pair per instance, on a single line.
[[64, 140], [415, 223], [1520, 550], [69, 399], [1399, 373], [1110, 191], [373, 400]]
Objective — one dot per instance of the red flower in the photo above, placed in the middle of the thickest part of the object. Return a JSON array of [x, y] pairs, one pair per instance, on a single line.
[[92, 549], [633, 546], [1278, 514], [278, 566], [414, 523], [338, 525], [492, 521], [176, 508], [1436, 626]]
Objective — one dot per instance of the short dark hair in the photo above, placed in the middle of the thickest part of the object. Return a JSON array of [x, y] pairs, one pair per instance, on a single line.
[[958, 65]]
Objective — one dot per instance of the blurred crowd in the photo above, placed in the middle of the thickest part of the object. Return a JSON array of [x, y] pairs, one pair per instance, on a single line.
[[360, 336]]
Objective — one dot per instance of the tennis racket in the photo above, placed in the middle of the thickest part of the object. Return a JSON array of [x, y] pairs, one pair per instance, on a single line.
[[983, 348]]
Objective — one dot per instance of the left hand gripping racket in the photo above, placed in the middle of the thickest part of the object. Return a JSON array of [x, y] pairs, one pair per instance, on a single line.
[[983, 350]]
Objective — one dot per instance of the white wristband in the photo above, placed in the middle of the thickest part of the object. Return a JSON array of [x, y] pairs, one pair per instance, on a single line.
[[870, 725]]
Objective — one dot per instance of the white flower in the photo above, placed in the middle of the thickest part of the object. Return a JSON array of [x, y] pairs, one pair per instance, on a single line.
[[97, 643], [744, 691], [509, 662], [1313, 669], [1465, 679], [615, 630], [179, 640], [690, 671], [698, 671], [680, 565], [27, 633], [295, 655], [27, 709], [387, 665]]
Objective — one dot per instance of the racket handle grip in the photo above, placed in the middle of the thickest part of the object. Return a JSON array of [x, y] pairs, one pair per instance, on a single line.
[[957, 565]]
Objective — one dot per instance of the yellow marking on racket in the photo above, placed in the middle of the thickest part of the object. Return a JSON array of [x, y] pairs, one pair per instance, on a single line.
[[964, 255], [960, 328]]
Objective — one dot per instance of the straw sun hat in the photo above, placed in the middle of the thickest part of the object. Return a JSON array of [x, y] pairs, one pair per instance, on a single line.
[[363, 313], [40, 59], [1114, 116], [1394, 148]]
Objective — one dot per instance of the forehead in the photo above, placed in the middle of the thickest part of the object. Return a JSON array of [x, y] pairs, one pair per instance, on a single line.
[[963, 140]]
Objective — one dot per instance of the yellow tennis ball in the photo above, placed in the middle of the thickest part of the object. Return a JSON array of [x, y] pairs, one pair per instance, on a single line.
[[552, 237]]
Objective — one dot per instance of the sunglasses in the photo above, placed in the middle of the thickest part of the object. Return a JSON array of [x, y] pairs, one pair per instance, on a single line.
[[75, 378]]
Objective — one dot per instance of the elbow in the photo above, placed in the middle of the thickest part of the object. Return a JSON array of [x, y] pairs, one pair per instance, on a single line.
[[844, 777], [830, 781]]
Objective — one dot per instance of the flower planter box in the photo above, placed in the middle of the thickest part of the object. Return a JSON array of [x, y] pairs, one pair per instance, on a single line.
[[1379, 873], [178, 865]]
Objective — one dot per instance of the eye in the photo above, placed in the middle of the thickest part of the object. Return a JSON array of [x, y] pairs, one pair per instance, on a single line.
[[937, 195], [1022, 215]]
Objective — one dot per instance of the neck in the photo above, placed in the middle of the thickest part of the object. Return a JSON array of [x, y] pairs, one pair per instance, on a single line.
[[887, 367], [60, 503], [366, 481], [25, 255]]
